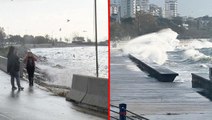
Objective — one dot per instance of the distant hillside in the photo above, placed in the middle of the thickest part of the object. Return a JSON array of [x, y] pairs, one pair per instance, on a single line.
[[146, 23]]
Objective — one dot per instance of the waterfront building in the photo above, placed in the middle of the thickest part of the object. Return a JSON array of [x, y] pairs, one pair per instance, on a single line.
[[170, 8]]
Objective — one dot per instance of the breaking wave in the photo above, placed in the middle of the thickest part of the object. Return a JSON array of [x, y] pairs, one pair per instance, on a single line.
[[153, 47]]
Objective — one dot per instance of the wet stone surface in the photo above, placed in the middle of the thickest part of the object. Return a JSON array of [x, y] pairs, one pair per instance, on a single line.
[[154, 100], [36, 104]]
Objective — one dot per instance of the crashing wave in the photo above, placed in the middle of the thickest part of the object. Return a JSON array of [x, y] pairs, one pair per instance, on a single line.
[[196, 56], [153, 47]]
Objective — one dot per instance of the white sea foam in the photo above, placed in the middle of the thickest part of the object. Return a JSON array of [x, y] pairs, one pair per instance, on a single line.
[[195, 55], [153, 47], [195, 44], [192, 46], [185, 56], [62, 63]]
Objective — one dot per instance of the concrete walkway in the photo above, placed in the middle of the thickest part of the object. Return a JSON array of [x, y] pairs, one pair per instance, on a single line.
[[36, 104], [154, 100]]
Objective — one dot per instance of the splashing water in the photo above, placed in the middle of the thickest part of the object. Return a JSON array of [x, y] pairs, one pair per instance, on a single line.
[[182, 56], [153, 47], [62, 63], [195, 44], [192, 49], [195, 55]]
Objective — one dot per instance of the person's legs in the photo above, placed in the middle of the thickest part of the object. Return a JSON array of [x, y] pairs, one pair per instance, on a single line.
[[30, 76], [12, 82], [30, 72], [17, 77]]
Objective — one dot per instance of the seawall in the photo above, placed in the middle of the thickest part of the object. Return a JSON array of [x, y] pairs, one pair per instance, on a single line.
[[88, 91]]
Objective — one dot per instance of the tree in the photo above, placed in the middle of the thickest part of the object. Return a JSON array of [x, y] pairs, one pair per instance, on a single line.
[[79, 39], [89, 40], [16, 39], [145, 23], [40, 40], [142, 24], [116, 31], [67, 40], [29, 39], [2, 36], [47, 37]]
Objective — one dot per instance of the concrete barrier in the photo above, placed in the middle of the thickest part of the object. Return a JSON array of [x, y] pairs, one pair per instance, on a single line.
[[160, 73], [97, 92], [78, 89], [90, 91], [201, 81], [3, 65]]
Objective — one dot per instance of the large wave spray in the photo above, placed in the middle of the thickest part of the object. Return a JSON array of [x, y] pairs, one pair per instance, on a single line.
[[153, 47]]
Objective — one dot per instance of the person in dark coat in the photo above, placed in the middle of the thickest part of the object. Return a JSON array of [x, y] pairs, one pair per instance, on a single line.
[[29, 60], [13, 66]]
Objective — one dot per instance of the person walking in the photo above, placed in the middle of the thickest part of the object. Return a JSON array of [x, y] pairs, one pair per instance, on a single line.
[[29, 60], [13, 67]]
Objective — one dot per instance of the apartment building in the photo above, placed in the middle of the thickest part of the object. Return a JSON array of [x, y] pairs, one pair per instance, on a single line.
[[170, 8], [155, 10]]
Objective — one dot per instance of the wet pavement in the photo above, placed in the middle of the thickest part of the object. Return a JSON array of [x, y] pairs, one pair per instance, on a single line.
[[34, 103], [152, 99]]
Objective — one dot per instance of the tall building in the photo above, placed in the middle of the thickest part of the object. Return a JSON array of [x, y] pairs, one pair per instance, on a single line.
[[114, 6], [116, 2], [155, 10], [115, 12], [142, 5], [128, 8], [170, 8]]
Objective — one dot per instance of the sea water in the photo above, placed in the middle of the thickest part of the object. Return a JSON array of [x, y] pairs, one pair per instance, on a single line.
[[59, 64], [182, 56]]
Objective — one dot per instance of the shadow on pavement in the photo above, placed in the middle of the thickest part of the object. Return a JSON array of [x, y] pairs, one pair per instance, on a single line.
[[14, 94]]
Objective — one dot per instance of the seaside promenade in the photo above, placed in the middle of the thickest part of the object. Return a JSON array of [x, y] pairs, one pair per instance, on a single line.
[[153, 99], [37, 104]]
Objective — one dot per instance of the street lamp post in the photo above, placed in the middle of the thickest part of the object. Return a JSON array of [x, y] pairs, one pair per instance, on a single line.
[[96, 44]]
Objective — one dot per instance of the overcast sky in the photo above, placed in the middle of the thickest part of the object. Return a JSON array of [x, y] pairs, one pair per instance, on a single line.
[[41, 17], [191, 8]]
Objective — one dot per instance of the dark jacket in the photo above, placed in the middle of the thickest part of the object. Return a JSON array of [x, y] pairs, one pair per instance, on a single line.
[[30, 61], [13, 64]]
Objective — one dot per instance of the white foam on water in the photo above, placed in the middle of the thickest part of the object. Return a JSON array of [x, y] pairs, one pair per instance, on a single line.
[[191, 47], [153, 47], [62, 63], [195, 55], [195, 44]]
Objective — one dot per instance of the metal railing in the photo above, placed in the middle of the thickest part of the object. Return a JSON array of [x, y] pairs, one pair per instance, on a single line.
[[124, 114]]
